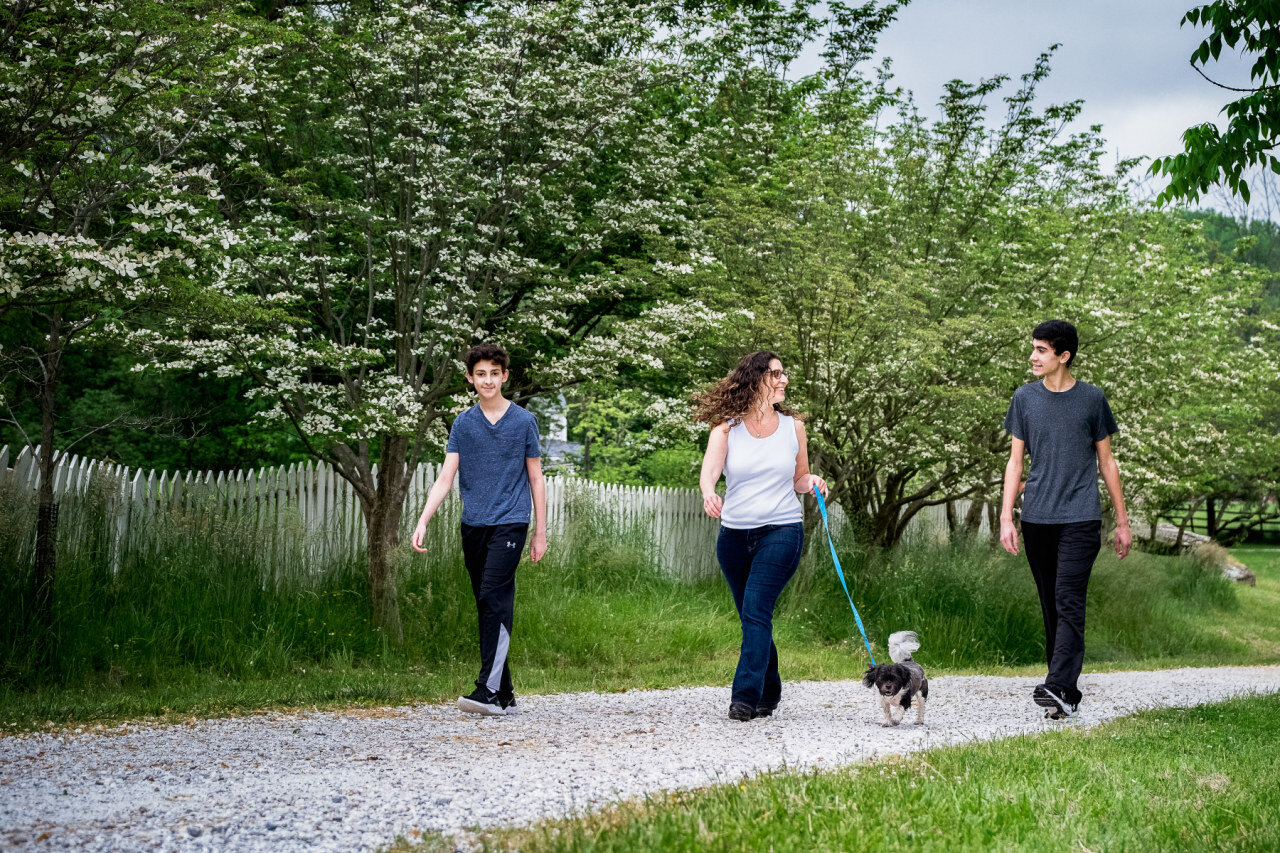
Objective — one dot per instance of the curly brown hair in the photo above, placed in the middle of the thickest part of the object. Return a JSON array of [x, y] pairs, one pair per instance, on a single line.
[[487, 352], [735, 395]]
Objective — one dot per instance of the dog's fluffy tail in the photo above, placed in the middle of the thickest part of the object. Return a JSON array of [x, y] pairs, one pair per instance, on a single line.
[[902, 644]]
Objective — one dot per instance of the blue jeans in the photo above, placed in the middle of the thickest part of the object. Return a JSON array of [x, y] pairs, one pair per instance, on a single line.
[[757, 563]]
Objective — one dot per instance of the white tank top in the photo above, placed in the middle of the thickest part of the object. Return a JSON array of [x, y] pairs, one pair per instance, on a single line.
[[759, 477]]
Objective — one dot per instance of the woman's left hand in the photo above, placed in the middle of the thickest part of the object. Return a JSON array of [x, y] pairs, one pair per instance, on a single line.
[[817, 482]]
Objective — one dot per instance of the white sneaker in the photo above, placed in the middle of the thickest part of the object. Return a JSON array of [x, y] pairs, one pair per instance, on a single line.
[[478, 703]]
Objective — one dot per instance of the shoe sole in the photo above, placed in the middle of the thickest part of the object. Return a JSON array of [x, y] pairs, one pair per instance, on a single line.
[[471, 706]]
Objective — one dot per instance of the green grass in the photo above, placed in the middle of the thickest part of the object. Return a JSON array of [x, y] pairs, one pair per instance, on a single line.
[[192, 628], [1194, 779], [1255, 623]]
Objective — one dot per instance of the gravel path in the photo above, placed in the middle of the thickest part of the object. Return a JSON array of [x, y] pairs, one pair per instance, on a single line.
[[357, 779]]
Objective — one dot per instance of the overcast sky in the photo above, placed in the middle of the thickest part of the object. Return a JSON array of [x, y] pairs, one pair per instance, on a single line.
[[1127, 59]]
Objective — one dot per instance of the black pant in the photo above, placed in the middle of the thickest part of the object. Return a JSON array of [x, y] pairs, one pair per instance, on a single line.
[[1061, 558], [492, 554]]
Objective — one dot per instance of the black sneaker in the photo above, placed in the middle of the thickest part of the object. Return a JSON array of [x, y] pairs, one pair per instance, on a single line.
[[1046, 698], [766, 709], [482, 702], [509, 705], [741, 711]]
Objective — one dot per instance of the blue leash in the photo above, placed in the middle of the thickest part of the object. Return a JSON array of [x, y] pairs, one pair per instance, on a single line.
[[822, 508]]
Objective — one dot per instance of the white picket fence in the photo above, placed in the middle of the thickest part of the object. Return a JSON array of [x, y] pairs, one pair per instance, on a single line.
[[310, 516], [321, 510]]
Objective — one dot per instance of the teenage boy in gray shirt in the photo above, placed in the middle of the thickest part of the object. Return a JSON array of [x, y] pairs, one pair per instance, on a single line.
[[493, 449], [1066, 426]]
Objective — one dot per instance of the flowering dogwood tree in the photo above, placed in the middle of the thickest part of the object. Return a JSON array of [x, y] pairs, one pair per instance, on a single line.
[[900, 266], [101, 215], [409, 182], [1182, 342]]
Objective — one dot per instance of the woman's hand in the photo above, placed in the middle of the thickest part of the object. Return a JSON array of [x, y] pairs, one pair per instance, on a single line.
[[811, 481], [419, 533], [712, 467]]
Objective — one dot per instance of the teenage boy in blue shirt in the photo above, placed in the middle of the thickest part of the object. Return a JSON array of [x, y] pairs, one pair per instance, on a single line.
[[493, 449], [1066, 426]]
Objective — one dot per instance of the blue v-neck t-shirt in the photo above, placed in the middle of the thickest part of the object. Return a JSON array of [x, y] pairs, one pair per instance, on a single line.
[[492, 475]]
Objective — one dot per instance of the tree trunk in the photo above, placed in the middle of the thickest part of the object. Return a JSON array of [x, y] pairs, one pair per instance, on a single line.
[[973, 518], [1186, 519], [1212, 520], [383, 592], [47, 517], [382, 520], [883, 529]]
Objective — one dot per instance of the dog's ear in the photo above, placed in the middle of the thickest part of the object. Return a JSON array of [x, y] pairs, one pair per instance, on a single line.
[[869, 680]]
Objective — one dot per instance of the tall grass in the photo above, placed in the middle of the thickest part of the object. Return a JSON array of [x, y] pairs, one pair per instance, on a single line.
[[192, 591], [975, 606], [192, 599]]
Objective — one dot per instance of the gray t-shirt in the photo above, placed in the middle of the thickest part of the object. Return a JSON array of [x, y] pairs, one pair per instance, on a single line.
[[1060, 429], [492, 475]]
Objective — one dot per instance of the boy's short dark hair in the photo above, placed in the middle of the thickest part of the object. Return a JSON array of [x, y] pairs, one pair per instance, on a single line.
[[1060, 335], [487, 352]]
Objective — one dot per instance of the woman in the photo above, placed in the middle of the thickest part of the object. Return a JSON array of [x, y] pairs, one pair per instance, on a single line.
[[760, 447]]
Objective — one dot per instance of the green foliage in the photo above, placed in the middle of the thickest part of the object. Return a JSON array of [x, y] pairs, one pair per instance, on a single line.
[[627, 438], [673, 467], [1255, 242], [144, 419], [1211, 156]]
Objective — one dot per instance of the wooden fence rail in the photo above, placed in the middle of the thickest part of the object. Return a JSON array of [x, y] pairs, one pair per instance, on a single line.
[[308, 511], [306, 514]]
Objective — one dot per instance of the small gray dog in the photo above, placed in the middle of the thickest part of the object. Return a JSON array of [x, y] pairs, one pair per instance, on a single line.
[[900, 682]]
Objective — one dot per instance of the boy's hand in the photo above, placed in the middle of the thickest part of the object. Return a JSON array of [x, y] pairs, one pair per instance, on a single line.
[[1009, 536], [419, 533], [1124, 540], [538, 546]]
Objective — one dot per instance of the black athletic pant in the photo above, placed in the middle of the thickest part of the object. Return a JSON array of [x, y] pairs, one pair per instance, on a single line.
[[1061, 558], [492, 554]]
